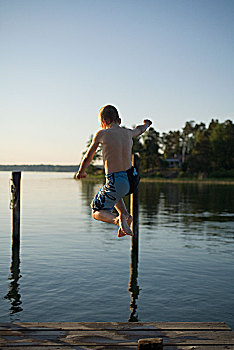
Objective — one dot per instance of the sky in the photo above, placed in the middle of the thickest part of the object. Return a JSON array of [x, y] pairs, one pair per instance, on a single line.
[[170, 61]]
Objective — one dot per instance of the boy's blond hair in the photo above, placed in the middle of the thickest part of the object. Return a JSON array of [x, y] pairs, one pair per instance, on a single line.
[[109, 114]]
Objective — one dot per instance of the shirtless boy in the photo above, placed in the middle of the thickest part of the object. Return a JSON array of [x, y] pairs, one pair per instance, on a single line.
[[121, 177]]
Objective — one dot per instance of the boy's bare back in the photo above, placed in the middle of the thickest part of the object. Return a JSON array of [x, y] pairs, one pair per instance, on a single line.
[[116, 148]]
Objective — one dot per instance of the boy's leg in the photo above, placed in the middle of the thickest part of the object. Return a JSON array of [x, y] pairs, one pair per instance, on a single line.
[[121, 208], [106, 216], [124, 218]]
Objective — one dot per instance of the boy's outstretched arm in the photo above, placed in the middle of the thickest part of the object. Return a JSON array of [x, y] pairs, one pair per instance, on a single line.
[[88, 157], [140, 129]]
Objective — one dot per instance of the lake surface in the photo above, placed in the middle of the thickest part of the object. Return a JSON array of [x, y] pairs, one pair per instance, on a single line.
[[73, 268]]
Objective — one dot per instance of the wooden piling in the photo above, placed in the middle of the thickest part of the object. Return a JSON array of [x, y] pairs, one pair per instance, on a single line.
[[15, 201], [134, 211], [13, 293]]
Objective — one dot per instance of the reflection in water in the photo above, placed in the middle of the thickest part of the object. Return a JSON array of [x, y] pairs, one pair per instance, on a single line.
[[13, 294], [205, 201], [149, 199], [89, 189], [197, 212], [133, 287], [198, 198], [187, 197]]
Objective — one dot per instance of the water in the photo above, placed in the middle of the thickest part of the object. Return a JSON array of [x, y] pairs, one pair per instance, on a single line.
[[73, 268]]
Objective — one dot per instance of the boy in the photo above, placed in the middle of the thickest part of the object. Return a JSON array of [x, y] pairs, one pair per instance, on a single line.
[[121, 177]]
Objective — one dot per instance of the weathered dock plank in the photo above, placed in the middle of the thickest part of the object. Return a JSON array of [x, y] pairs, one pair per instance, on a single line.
[[114, 335], [107, 335], [118, 347], [118, 325]]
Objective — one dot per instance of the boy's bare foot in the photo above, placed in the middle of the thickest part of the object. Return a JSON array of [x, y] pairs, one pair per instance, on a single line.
[[129, 221], [121, 233], [124, 227]]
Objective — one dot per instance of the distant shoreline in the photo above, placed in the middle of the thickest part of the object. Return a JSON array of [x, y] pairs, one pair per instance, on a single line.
[[208, 181], [40, 168]]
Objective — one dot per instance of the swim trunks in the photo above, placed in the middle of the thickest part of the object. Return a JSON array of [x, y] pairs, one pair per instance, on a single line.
[[117, 186]]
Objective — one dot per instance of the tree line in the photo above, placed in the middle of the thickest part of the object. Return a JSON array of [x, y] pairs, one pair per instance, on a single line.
[[39, 167], [197, 150]]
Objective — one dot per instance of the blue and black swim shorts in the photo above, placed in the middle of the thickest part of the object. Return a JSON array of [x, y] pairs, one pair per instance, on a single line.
[[117, 186]]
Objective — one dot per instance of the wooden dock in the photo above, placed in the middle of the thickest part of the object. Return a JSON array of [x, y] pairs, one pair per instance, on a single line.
[[115, 335]]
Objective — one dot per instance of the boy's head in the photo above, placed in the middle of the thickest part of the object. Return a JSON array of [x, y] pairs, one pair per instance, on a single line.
[[108, 115]]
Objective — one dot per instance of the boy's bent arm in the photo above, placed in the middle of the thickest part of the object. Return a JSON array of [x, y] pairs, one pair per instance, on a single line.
[[88, 157], [140, 129]]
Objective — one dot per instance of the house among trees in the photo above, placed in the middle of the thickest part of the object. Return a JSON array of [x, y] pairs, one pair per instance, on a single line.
[[173, 162]]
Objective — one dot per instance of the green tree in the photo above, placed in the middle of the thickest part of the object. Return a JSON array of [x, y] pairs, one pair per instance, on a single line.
[[137, 146], [222, 144], [171, 144], [187, 139], [150, 154], [213, 148], [200, 159]]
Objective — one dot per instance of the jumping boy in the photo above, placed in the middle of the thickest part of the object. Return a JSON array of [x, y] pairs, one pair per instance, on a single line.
[[121, 177]]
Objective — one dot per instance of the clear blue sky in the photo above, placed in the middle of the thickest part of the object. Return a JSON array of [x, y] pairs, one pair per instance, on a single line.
[[61, 60]]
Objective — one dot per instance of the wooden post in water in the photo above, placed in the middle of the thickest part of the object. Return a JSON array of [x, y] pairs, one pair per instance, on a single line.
[[13, 293], [133, 285], [134, 211], [15, 206]]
